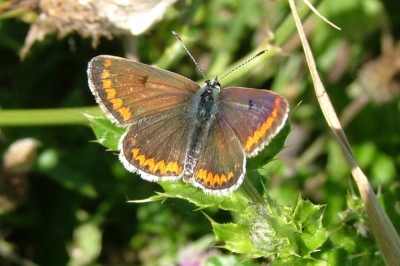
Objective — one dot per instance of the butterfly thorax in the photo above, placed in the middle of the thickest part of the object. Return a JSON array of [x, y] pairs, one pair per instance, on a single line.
[[201, 114]]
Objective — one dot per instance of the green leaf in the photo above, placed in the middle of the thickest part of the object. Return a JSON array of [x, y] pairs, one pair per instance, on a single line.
[[107, 133], [308, 219], [235, 201], [235, 237]]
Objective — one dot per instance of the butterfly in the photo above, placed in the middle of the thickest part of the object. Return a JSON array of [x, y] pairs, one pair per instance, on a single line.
[[177, 130]]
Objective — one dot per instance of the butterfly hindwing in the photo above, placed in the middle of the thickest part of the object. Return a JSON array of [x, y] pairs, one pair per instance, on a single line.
[[221, 164], [156, 146]]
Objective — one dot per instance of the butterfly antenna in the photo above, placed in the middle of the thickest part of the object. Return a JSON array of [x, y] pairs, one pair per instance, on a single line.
[[242, 64], [187, 51]]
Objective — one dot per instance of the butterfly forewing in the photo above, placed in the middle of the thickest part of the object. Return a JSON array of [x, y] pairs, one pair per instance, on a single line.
[[255, 116], [128, 91]]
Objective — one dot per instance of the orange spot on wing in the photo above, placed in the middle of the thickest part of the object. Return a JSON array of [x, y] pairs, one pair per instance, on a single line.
[[160, 166], [157, 168], [209, 179], [173, 167], [262, 131], [110, 93], [125, 113], [107, 63], [117, 103], [223, 178], [106, 83], [141, 159], [212, 180], [135, 152], [105, 74]]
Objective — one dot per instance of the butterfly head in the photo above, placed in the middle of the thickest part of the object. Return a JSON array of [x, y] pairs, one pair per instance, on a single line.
[[212, 84]]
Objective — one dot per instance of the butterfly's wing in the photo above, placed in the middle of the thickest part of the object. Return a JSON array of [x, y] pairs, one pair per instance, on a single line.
[[221, 165], [255, 116], [246, 120], [153, 102], [128, 91], [155, 147]]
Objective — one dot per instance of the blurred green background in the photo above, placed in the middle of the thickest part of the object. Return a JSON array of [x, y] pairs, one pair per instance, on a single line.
[[70, 208]]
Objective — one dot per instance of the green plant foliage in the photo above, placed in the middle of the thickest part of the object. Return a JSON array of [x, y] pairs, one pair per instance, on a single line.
[[107, 134]]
